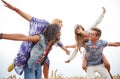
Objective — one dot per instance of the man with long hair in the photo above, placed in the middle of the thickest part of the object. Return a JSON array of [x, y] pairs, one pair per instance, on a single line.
[[36, 26], [42, 46]]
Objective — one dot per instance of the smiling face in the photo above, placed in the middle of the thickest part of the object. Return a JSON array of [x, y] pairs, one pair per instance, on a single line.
[[94, 34], [58, 34], [52, 32]]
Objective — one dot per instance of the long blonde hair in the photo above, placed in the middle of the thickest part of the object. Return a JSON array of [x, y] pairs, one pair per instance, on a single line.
[[79, 37]]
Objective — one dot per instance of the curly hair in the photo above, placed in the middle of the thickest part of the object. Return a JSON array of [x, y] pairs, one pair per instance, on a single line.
[[51, 32]]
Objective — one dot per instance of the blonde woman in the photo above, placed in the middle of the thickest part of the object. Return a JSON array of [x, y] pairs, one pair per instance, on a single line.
[[82, 38]]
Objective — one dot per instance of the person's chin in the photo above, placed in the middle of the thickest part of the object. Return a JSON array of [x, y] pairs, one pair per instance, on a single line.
[[58, 39]]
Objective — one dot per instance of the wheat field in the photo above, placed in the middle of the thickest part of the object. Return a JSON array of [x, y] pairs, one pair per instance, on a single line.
[[61, 77], [54, 75]]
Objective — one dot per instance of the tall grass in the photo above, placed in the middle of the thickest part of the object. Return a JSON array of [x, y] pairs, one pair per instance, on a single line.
[[55, 76]]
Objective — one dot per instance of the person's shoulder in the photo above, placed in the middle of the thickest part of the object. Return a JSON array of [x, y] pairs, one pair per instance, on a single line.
[[103, 41], [42, 36], [39, 20], [100, 40]]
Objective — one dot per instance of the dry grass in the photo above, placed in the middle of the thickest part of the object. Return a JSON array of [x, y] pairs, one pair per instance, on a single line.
[[60, 77], [55, 76]]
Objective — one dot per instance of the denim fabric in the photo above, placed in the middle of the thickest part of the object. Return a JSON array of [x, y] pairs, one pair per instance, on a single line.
[[36, 27], [29, 74], [33, 70], [36, 52]]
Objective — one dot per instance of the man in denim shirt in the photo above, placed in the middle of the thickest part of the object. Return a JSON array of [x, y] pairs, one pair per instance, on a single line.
[[42, 45], [36, 27]]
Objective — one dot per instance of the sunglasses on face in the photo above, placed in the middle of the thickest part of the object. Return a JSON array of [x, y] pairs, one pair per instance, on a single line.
[[92, 34]]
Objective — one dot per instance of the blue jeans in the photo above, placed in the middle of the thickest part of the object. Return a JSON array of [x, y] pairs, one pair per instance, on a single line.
[[33, 74]]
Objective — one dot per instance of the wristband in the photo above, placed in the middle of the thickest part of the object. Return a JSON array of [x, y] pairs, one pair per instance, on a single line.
[[1, 35]]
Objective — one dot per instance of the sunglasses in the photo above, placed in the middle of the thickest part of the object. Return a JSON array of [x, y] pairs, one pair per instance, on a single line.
[[92, 34]]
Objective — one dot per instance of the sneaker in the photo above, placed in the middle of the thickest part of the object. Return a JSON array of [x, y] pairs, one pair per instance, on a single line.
[[11, 67]]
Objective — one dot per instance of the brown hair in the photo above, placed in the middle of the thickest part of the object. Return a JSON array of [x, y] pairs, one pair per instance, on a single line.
[[51, 31], [99, 32]]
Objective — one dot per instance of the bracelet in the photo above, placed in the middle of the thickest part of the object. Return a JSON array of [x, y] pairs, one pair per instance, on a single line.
[[43, 54], [1, 34]]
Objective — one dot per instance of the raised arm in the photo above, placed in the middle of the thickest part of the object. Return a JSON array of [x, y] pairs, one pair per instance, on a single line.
[[100, 18], [20, 37], [21, 13]]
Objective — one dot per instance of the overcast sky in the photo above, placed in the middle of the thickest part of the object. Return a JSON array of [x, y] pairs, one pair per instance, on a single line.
[[72, 12]]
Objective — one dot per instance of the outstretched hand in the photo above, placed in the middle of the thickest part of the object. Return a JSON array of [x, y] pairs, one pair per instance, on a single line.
[[84, 67], [104, 10], [8, 5], [67, 52], [67, 61], [79, 30]]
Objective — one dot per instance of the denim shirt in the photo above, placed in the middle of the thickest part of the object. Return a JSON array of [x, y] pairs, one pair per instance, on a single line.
[[36, 53]]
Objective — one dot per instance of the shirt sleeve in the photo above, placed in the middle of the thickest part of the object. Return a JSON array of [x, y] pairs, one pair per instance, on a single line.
[[104, 43], [37, 26], [73, 55], [60, 44], [98, 20]]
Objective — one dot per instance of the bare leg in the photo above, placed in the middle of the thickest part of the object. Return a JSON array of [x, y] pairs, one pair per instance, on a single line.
[[84, 63], [45, 70], [107, 64]]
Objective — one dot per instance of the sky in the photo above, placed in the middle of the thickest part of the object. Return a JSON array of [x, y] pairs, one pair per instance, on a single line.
[[72, 12]]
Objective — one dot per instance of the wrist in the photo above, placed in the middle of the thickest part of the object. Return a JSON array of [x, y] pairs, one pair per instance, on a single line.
[[66, 46], [1, 35]]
